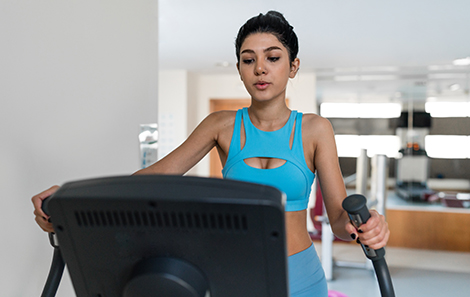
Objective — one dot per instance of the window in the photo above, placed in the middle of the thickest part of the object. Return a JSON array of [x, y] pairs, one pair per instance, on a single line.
[[360, 110], [448, 146], [448, 109], [351, 145]]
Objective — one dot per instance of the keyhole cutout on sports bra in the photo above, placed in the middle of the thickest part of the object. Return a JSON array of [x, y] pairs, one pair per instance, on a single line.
[[264, 162]]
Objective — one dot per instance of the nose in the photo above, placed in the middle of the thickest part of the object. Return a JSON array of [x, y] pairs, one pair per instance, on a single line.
[[260, 67]]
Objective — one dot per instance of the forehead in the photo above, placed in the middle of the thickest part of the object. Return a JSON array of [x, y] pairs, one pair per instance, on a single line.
[[261, 41]]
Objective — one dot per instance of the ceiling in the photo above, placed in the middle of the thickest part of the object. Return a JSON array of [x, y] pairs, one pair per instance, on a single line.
[[360, 49]]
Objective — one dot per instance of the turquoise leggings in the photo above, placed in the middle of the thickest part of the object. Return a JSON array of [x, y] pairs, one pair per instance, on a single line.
[[306, 276]]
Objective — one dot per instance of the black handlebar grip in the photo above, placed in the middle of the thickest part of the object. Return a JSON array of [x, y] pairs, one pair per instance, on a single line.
[[45, 208], [44, 205], [356, 206]]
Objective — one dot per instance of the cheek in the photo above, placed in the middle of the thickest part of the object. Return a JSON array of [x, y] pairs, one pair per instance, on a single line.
[[244, 80], [244, 74]]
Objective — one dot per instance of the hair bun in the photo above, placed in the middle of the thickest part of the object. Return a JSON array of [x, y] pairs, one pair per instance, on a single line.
[[272, 22]]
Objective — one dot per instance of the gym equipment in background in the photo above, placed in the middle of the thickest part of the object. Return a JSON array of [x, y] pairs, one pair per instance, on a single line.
[[412, 174]]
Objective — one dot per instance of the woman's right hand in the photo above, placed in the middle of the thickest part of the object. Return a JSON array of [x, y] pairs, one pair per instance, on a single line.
[[41, 218]]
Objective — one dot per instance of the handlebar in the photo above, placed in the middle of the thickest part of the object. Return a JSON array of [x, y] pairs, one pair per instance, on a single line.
[[358, 213], [57, 265]]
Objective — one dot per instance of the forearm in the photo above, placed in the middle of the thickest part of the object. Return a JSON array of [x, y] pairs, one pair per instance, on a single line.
[[338, 226], [147, 170], [190, 152], [168, 165]]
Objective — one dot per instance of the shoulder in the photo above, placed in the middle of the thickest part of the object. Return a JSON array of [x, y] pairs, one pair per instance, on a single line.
[[217, 123], [221, 124], [221, 119], [314, 124], [211, 129], [223, 115]]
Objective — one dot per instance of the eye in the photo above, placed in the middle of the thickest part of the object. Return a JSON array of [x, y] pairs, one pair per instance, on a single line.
[[273, 59], [247, 61]]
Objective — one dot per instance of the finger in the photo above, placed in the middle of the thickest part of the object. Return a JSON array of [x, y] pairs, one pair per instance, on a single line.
[[380, 244], [44, 224], [351, 230], [375, 220], [37, 203], [374, 230], [39, 198], [376, 238], [377, 233]]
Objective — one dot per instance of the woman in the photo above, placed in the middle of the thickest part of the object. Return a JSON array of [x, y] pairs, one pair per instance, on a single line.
[[269, 144]]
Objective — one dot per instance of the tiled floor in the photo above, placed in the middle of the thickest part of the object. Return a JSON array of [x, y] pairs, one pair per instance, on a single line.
[[414, 272]]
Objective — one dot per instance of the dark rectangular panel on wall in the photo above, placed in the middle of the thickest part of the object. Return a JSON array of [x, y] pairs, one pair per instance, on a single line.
[[362, 126], [450, 126], [450, 168], [421, 119]]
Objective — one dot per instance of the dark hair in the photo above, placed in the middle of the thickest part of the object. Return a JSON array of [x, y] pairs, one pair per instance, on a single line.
[[272, 22]]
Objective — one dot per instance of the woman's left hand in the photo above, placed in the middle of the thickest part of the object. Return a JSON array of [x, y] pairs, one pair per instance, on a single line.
[[374, 233]]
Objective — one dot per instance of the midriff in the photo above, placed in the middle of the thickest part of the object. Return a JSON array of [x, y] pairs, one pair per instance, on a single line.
[[297, 235]]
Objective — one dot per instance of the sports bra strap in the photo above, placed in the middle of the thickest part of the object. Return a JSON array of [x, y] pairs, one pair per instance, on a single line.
[[234, 144], [297, 145]]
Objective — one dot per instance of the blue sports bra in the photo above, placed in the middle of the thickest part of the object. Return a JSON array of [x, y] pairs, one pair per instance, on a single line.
[[293, 178]]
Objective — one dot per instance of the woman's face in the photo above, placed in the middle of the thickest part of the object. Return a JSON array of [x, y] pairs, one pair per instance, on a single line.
[[264, 67]]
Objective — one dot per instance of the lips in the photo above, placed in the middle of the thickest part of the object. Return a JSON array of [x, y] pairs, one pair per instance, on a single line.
[[261, 85]]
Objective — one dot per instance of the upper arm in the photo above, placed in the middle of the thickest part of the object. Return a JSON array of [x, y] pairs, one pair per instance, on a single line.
[[328, 170], [192, 150]]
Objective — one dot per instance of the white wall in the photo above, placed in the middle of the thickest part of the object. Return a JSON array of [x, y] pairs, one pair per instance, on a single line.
[[172, 109], [77, 78], [300, 91]]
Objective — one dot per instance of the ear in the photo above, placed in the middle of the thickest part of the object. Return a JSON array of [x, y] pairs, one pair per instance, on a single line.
[[294, 68], [238, 69]]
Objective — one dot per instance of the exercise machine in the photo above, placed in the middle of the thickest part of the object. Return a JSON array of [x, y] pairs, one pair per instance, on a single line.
[[412, 174], [159, 235]]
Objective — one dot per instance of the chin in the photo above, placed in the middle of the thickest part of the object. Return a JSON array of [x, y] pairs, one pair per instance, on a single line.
[[261, 99]]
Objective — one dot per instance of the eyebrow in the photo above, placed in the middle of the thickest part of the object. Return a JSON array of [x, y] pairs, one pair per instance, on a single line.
[[271, 48]]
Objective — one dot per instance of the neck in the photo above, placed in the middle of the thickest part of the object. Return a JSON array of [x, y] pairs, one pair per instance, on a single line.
[[269, 116]]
